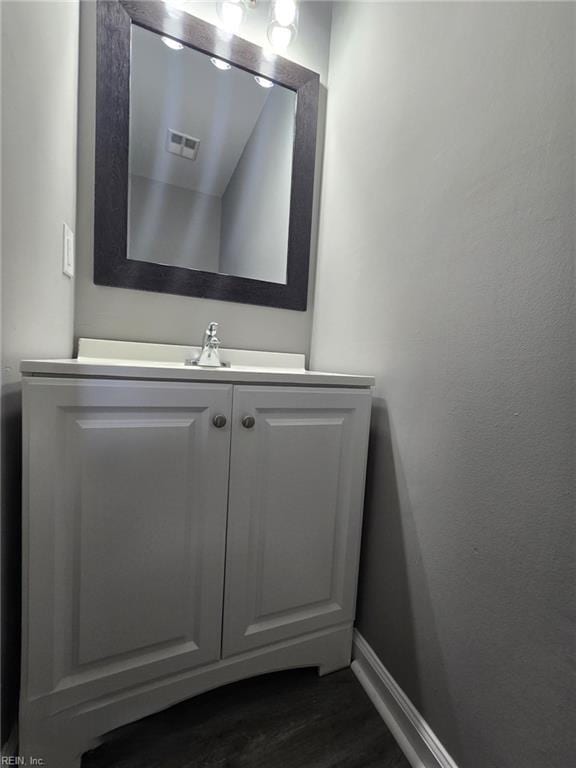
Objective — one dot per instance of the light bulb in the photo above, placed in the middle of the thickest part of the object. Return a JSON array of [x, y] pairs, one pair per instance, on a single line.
[[263, 82], [280, 37], [219, 64], [173, 44], [284, 12], [231, 13]]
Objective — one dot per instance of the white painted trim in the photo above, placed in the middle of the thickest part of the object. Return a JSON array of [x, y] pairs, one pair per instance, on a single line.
[[417, 740]]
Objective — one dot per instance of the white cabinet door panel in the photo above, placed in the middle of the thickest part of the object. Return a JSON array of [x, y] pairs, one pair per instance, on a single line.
[[126, 499], [295, 511]]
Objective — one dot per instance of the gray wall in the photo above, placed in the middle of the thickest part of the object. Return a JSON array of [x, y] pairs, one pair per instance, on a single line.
[[39, 92], [447, 236], [173, 225], [116, 313], [256, 204]]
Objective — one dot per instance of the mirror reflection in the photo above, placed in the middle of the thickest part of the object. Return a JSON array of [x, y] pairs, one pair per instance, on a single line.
[[210, 163]]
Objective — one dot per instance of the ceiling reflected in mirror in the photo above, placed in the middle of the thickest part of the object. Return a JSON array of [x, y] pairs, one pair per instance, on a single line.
[[210, 162]]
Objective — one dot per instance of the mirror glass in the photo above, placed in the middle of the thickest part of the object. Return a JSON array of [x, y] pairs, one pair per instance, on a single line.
[[210, 163]]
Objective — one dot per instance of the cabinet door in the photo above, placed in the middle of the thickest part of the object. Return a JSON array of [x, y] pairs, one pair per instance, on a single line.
[[125, 520], [295, 512]]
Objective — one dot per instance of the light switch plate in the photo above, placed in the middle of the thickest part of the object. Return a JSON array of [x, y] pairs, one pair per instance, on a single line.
[[68, 252]]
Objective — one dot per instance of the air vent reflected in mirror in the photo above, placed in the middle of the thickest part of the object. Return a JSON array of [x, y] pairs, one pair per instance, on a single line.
[[182, 145]]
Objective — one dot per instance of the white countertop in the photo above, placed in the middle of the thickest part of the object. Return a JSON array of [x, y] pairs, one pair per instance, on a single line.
[[136, 360]]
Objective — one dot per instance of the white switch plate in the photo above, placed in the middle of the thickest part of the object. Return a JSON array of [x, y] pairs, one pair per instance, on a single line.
[[68, 252]]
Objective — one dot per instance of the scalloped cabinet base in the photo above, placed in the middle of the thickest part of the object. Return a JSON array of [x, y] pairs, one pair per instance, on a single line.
[[167, 552]]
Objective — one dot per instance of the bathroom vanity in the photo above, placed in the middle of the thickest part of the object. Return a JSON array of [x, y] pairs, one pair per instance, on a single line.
[[186, 527], [183, 528]]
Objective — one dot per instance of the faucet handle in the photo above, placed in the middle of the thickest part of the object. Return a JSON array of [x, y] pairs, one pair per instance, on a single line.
[[209, 356], [210, 336]]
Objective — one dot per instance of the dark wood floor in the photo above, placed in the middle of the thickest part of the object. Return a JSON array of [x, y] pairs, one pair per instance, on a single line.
[[286, 720]]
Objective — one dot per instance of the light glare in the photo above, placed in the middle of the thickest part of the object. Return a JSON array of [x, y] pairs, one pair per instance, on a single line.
[[231, 13], [173, 44], [285, 12], [263, 82], [219, 64], [280, 37]]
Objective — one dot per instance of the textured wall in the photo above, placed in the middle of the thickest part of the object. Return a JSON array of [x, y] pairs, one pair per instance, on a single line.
[[118, 313], [39, 93], [445, 268]]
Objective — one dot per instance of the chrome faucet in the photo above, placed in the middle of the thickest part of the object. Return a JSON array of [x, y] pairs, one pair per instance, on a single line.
[[210, 354]]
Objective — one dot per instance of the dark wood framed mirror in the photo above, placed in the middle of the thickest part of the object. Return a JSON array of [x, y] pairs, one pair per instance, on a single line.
[[162, 179]]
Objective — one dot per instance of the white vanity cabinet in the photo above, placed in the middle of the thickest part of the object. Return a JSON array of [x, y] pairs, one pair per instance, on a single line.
[[179, 535], [294, 513]]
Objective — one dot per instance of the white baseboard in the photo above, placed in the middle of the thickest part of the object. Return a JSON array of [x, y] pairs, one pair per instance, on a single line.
[[413, 734]]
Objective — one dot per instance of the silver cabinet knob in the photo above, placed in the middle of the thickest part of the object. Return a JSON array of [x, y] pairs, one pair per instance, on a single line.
[[219, 421], [248, 422]]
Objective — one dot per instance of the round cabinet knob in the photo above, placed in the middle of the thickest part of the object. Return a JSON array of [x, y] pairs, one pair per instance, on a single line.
[[219, 421], [248, 422]]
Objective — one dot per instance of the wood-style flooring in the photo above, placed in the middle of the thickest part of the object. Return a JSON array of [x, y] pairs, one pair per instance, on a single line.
[[291, 719]]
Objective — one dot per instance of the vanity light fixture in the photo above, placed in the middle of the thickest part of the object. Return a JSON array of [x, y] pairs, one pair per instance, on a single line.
[[231, 14], [283, 23], [220, 64], [263, 82], [284, 12], [280, 37], [173, 44]]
